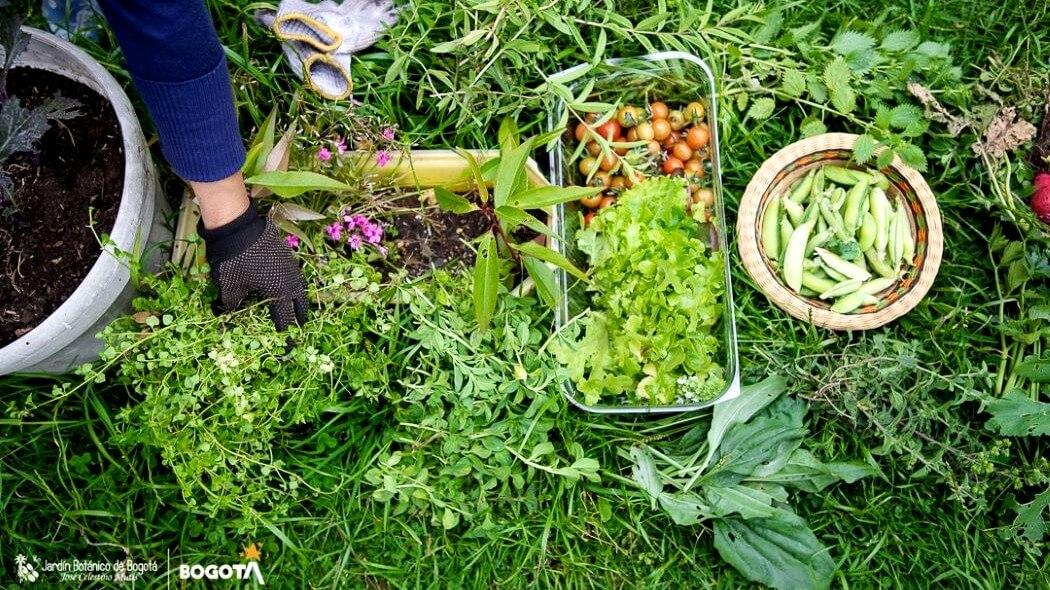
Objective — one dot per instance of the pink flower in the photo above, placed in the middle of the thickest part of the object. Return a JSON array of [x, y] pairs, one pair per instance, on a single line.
[[334, 230], [382, 250], [355, 241], [324, 154], [292, 240], [340, 145], [383, 158], [388, 134]]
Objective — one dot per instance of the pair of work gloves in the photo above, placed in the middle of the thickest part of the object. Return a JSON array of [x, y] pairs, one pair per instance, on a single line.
[[320, 38]]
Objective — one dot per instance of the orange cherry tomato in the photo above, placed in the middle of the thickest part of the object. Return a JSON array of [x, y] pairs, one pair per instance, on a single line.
[[602, 179], [632, 134], [694, 113], [694, 166], [658, 110], [672, 165], [588, 218], [704, 196], [609, 162], [592, 201], [661, 129], [644, 131], [682, 151], [581, 131], [587, 165], [653, 148], [676, 119], [607, 202], [593, 148], [698, 136], [618, 183], [609, 129]]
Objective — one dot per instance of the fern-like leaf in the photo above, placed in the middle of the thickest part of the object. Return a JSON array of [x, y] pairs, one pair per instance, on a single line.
[[22, 128]]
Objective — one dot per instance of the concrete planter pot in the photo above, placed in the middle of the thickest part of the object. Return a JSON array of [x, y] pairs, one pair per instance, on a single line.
[[66, 338]]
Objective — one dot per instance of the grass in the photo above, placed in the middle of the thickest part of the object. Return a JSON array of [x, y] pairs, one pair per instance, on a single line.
[[898, 397]]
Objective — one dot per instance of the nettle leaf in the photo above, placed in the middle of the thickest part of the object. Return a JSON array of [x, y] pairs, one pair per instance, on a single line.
[[1030, 517], [912, 155], [761, 108], [900, 40], [851, 41], [1016, 414], [837, 75], [793, 83], [864, 148], [885, 158], [934, 49], [813, 127], [904, 115], [779, 551], [817, 91]]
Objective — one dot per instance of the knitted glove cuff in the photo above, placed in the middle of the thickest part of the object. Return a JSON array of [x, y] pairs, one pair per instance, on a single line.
[[226, 241]]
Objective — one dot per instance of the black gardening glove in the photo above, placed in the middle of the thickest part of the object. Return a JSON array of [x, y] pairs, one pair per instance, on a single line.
[[248, 259]]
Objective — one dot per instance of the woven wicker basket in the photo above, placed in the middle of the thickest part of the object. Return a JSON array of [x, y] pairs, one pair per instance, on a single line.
[[786, 166]]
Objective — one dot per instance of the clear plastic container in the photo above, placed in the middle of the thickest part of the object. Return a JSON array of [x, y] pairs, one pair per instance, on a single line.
[[673, 77]]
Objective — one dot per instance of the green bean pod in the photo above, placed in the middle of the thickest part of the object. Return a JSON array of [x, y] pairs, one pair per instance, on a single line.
[[834, 274], [818, 239], [878, 285], [771, 229], [879, 265], [852, 215], [831, 215], [785, 232], [907, 240], [800, 190], [843, 266], [815, 282], [812, 212], [840, 175], [794, 255], [893, 247], [868, 231], [794, 211], [818, 184], [838, 198], [879, 207], [853, 301], [880, 179], [840, 289]]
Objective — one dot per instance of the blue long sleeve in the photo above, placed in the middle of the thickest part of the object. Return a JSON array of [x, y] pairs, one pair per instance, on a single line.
[[179, 67]]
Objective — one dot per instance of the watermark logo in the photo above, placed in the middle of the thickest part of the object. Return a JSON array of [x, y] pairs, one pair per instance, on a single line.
[[26, 571], [225, 571]]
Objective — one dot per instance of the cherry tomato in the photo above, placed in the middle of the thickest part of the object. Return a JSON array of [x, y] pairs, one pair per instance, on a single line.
[[698, 136], [587, 165], [633, 177], [592, 201], [676, 119], [658, 110], [704, 196], [629, 116], [618, 183], [661, 129], [608, 129], [695, 112], [682, 151], [588, 218], [644, 131], [653, 148], [607, 202], [609, 162], [602, 179], [672, 165], [581, 131], [593, 148], [668, 144], [632, 134], [694, 166]]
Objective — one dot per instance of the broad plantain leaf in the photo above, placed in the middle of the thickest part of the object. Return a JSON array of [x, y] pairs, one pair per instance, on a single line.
[[750, 402], [747, 501], [809, 474], [779, 551]]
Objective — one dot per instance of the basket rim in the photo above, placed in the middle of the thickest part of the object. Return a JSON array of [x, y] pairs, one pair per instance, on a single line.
[[798, 306]]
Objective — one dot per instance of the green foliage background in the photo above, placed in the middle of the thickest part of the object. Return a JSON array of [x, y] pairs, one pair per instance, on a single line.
[[907, 399]]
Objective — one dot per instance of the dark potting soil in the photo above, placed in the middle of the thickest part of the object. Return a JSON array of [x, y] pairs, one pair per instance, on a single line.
[[66, 192], [430, 238]]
